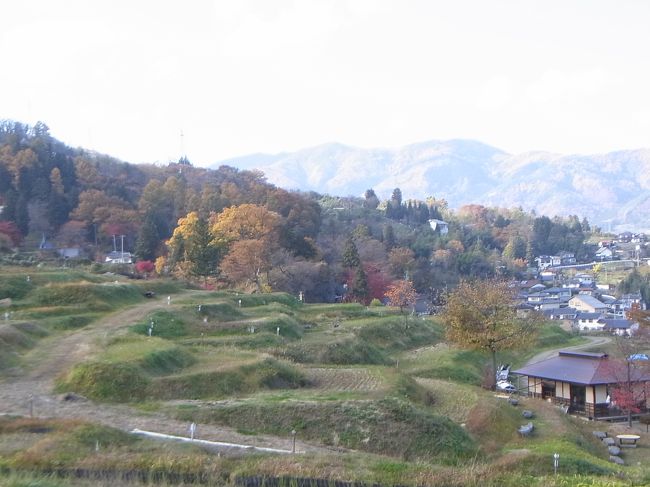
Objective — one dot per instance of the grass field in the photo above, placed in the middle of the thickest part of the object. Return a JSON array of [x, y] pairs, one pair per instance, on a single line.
[[392, 400]]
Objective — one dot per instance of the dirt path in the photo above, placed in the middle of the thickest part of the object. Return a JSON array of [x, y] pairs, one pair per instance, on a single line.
[[30, 391]]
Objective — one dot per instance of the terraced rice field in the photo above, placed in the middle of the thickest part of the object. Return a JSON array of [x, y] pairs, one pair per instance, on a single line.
[[344, 379]]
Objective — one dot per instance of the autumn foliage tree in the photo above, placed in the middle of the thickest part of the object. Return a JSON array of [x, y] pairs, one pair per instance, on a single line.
[[480, 315], [630, 370], [250, 234], [247, 263], [11, 232], [402, 294], [144, 267]]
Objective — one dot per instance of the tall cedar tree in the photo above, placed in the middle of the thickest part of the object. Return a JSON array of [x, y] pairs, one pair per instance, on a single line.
[[202, 254], [351, 254], [148, 239], [360, 285]]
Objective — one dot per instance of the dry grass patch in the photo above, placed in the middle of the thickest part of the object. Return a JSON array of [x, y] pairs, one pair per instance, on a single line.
[[209, 360], [452, 400], [344, 379]]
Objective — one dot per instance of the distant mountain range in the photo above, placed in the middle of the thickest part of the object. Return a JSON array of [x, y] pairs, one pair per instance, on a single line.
[[612, 190]]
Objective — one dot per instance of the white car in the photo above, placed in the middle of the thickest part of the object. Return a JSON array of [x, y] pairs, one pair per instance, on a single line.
[[505, 386]]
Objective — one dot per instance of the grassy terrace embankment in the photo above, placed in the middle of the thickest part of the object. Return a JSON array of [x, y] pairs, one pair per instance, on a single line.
[[393, 401]]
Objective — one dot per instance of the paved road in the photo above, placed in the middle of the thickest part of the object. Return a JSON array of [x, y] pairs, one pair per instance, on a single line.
[[592, 342]]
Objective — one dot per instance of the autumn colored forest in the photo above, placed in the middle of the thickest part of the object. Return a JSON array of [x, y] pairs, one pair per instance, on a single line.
[[231, 228]]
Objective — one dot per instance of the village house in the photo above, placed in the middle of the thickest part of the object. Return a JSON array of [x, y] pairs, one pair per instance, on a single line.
[[523, 310], [566, 316], [581, 381], [439, 226], [588, 322], [604, 253], [543, 300], [563, 258], [117, 257], [619, 326], [587, 304], [630, 301], [561, 314], [562, 293], [547, 276]]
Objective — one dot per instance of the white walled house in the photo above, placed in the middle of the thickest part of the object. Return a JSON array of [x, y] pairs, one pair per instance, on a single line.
[[439, 226], [589, 321]]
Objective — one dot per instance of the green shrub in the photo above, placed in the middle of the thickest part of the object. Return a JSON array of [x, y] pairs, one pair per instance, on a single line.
[[15, 287], [552, 335], [464, 366], [269, 374], [394, 334], [72, 322], [249, 300], [406, 387], [88, 434], [272, 374], [12, 338], [289, 327], [390, 427], [342, 352], [24, 479], [200, 385], [106, 381], [255, 341], [220, 311], [160, 362], [85, 293], [31, 329], [166, 325]]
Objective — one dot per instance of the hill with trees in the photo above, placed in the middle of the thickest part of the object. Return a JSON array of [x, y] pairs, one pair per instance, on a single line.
[[227, 227]]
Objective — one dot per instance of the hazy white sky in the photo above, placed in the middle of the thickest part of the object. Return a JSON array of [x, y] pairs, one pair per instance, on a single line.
[[243, 76]]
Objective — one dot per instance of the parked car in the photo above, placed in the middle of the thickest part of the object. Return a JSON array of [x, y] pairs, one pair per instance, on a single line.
[[505, 386]]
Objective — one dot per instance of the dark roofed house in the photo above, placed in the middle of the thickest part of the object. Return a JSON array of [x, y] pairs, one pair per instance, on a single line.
[[619, 326], [562, 293], [579, 380], [561, 314], [566, 316], [524, 309]]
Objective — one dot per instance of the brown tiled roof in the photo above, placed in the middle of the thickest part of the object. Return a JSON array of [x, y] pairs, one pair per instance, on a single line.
[[582, 368]]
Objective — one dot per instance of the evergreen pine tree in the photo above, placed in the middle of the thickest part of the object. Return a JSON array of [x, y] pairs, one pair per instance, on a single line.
[[148, 239], [360, 285], [389, 238], [351, 254]]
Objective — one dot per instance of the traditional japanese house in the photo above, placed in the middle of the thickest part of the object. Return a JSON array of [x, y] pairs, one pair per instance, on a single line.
[[582, 381]]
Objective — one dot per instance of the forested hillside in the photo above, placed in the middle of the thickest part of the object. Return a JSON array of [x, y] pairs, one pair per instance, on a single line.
[[227, 227]]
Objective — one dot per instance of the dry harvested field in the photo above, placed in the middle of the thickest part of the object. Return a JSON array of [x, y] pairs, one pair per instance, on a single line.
[[344, 379]]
